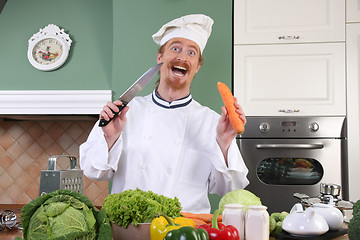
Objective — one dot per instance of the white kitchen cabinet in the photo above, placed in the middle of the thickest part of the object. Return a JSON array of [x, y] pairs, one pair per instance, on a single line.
[[289, 57], [353, 107], [290, 79], [352, 11], [290, 21]]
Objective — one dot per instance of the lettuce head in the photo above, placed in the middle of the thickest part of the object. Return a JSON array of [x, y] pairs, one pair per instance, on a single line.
[[138, 206], [241, 196]]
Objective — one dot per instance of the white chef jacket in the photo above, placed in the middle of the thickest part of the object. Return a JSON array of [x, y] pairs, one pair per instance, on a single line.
[[169, 148]]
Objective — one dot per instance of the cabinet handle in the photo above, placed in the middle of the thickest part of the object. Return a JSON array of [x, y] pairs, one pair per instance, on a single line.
[[289, 37], [289, 110]]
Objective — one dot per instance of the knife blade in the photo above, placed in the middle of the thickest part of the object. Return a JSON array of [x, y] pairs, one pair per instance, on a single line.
[[133, 90]]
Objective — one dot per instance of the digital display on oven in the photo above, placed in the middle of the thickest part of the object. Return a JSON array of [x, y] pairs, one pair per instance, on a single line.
[[288, 124]]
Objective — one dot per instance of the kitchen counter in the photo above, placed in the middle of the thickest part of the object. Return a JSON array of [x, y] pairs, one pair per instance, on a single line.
[[12, 234]]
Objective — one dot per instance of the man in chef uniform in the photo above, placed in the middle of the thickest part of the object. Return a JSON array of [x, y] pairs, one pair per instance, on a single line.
[[167, 142]]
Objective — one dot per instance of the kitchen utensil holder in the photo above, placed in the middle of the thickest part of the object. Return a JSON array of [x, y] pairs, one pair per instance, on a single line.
[[52, 179]]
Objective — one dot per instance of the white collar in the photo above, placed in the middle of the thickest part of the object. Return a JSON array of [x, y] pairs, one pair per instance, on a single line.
[[182, 102]]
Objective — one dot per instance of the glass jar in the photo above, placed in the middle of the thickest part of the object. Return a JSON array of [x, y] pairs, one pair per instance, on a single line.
[[257, 223], [234, 214]]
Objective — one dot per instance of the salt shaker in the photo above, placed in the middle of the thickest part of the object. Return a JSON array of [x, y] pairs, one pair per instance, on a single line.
[[234, 214], [257, 223]]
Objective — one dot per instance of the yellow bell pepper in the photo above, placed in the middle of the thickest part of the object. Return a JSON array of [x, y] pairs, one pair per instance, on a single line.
[[160, 226]]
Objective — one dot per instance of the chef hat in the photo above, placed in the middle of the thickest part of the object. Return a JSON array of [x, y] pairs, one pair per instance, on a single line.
[[196, 27]]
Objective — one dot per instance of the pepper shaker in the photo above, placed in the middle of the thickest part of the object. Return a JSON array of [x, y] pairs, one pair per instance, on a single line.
[[257, 223], [234, 214]]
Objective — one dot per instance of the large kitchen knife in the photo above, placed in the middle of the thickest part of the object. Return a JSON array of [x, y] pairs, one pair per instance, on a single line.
[[133, 90]]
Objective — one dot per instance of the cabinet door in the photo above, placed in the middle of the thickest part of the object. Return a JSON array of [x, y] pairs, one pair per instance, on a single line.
[[352, 11], [290, 21], [353, 107], [285, 79]]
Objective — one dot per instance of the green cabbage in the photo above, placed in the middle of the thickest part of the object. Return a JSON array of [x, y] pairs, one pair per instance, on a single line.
[[241, 196], [64, 214]]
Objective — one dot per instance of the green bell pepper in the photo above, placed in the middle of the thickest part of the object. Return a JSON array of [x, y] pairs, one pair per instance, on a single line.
[[188, 233]]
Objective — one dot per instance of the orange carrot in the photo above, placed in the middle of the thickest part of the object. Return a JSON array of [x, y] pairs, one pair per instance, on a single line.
[[206, 217], [229, 101], [198, 222]]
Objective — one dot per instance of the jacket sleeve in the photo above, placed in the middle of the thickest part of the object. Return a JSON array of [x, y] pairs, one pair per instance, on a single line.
[[95, 160], [224, 178]]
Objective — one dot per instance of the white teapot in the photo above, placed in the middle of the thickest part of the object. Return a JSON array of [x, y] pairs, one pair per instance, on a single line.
[[331, 214], [304, 223]]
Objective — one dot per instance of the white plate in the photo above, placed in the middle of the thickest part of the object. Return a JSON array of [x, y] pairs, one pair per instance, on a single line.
[[303, 175]]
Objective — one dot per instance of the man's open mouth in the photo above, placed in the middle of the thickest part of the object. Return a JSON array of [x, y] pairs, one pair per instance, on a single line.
[[179, 71]]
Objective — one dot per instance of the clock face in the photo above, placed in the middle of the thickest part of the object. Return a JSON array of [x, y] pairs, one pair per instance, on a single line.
[[47, 51]]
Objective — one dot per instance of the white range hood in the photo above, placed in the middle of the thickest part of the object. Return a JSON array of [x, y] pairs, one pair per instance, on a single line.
[[53, 102]]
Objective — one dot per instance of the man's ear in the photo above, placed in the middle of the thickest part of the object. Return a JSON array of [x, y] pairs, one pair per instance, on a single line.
[[159, 56], [199, 65]]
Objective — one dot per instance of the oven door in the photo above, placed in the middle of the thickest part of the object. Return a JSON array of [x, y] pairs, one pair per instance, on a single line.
[[278, 168]]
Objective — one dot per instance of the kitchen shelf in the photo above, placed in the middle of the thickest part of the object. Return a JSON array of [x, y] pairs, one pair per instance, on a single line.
[[58, 102]]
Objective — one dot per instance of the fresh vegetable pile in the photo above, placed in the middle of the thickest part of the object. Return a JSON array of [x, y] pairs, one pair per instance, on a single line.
[[64, 214], [138, 206], [241, 196], [166, 228], [354, 223], [202, 226], [275, 221]]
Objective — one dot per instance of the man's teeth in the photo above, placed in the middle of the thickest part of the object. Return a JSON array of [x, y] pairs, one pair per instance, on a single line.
[[179, 71], [179, 67]]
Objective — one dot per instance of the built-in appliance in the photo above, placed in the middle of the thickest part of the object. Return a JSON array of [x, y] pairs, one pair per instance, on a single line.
[[287, 155]]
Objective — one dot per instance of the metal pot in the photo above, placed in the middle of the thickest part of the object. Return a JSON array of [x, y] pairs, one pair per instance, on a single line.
[[330, 189]]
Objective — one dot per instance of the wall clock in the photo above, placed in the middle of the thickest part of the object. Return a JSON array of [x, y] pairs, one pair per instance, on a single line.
[[49, 48]]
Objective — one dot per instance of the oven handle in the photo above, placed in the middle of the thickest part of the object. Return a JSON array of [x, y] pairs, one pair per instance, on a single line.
[[290, 146]]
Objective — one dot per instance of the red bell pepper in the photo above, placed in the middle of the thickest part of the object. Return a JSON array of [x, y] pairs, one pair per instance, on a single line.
[[218, 231]]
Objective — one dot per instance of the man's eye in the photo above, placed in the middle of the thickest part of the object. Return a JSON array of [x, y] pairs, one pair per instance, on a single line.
[[192, 53], [175, 49]]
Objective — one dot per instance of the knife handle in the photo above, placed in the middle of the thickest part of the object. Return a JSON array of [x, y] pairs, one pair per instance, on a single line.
[[103, 122]]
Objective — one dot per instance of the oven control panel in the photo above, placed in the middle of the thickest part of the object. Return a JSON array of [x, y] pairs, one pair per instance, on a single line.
[[287, 126], [294, 127]]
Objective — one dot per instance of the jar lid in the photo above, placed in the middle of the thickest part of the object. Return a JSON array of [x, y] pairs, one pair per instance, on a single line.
[[257, 207], [234, 205]]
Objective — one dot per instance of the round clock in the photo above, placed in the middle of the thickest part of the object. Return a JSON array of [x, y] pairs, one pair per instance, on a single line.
[[49, 48]]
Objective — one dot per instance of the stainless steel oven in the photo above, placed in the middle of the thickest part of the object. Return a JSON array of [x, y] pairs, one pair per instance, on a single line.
[[287, 155]]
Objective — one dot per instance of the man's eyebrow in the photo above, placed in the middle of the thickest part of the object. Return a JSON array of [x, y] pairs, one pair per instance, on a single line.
[[179, 42]]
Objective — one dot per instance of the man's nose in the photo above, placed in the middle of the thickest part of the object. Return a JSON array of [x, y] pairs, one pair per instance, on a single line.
[[182, 56]]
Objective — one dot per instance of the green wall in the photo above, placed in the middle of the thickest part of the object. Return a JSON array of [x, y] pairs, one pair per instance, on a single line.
[[89, 23]]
